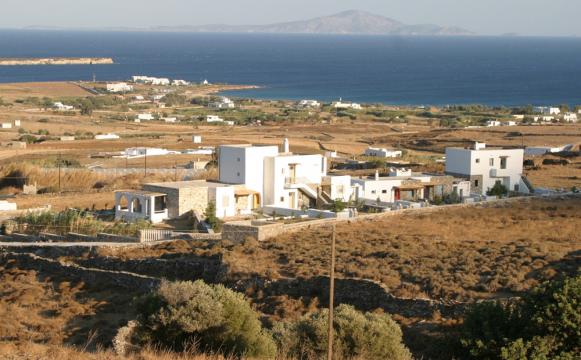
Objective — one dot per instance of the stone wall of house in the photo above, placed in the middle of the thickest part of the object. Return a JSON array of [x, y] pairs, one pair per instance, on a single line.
[[193, 199]]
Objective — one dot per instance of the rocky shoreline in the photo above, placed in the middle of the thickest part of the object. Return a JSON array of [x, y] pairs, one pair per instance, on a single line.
[[56, 61]]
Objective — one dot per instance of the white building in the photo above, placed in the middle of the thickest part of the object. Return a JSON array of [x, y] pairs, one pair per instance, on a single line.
[[119, 87], [145, 117], [138, 152], [150, 80], [205, 82], [542, 150], [492, 123], [570, 117], [5, 125], [382, 153], [197, 139], [547, 110], [509, 123], [548, 118], [109, 136], [62, 107], [309, 104], [16, 123], [485, 167], [170, 119], [282, 179], [223, 103], [346, 105], [180, 83], [214, 119]]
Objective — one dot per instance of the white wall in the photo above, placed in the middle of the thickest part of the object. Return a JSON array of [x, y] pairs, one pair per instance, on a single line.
[[224, 199], [478, 162]]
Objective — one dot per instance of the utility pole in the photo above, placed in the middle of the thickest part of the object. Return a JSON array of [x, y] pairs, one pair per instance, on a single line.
[[331, 295], [145, 164], [59, 166], [175, 171]]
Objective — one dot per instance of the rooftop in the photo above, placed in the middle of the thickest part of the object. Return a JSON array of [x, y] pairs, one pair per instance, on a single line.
[[188, 184]]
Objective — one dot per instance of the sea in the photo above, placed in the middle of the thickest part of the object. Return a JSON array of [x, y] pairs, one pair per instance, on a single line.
[[398, 70]]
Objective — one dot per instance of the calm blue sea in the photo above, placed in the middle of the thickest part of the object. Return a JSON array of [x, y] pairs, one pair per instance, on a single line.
[[392, 70]]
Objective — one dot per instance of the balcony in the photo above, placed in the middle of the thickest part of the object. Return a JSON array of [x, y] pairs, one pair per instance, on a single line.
[[499, 173]]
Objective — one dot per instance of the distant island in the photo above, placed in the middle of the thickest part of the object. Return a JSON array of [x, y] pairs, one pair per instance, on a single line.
[[54, 61], [347, 22]]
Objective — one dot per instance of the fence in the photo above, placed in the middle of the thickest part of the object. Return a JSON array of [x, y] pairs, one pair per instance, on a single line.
[[150, 235]]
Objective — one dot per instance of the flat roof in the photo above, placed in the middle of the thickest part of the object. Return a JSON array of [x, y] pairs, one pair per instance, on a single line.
[[141, 192], [187, 184]]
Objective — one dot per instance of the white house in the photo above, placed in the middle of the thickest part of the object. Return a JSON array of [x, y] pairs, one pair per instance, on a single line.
[[16, 123], [137, 152], [205, 82], [5, 125], [119, 87], [109, 136], [309, 104], [548, 118], [62, 107], [570, 117], [346, 105], [180, 83], [382, 153], [281, 179], [170, 119], [403, 185], [485, 167], [214, 119], [509, 123], [145, 117], [150, 80], [547, 110], [542, 150], [197, 139], [492, 123], [223, 103]]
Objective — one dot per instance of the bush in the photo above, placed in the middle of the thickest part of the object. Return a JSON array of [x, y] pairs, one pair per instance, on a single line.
[[545, 324], [368, 336], [214, 318], [497, 190]]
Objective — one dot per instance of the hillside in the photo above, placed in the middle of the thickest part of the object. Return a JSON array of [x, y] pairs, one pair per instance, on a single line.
[[347, 22]]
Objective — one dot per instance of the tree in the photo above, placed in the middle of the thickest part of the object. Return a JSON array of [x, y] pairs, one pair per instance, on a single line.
[[87, 107], [545, 324], [338, 205], [357, 335], [497, 190], [564, 107], [211, 218], [216, 319]]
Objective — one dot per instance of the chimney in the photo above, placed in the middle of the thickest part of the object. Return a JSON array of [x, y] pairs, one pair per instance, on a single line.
[[285, 146]]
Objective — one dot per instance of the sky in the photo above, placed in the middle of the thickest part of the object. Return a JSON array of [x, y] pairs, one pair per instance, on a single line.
[[485, 17]]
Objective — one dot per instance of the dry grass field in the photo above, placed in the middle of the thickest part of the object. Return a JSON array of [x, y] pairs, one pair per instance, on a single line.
[[41, 89]]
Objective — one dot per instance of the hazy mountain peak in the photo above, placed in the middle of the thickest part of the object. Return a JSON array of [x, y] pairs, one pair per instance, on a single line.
[[346, 22]]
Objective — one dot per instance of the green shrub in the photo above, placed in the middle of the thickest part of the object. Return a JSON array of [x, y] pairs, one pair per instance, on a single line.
[[545, 324], [497, 190], [357, 335], [216, 319]]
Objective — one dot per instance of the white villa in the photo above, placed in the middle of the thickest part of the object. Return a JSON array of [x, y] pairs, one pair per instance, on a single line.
[[145, 117], [213, 118], [382, 153], [180, 83], [119, 87], [403, 185], [150, 80], [484, 167], [492, 123], [223, 103], [547, 110], [137, 152], [309, 104], [346, 105], [62, 107], [570, 117], [109, 136]]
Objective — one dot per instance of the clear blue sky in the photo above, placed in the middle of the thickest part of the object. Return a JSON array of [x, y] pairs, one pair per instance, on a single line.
[[525, 17]]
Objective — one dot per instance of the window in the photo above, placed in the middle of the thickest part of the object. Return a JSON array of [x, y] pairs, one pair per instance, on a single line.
[[476, 183], [497, 182], [384, 191], [373, 191], [238, 159], [238, 174], [282, 199], [503, 162], [516, 188], [491, 162], [478, 161]]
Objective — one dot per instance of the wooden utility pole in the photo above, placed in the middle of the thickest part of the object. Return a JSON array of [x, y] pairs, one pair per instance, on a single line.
[[145, 164], [59, 166], [331, 295]]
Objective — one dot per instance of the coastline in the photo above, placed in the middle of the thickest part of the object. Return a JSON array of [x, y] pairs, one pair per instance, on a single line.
[[55, 61]]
